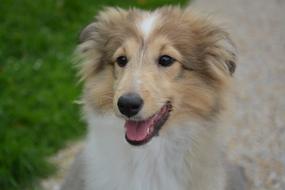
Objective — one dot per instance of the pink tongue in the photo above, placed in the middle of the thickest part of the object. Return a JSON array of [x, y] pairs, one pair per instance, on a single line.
[[137, 130]]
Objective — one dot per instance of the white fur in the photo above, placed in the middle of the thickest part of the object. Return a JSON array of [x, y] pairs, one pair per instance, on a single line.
[[136, 80], [147, 24], [171, 161]]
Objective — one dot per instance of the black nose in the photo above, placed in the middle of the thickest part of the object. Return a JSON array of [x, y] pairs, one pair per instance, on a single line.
[[130, 104]]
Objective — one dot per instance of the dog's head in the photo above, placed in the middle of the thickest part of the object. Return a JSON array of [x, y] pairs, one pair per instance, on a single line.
[[151, 68]]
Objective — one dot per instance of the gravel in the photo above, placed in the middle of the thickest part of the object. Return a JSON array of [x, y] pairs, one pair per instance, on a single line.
[[257, 127], [257, 140]]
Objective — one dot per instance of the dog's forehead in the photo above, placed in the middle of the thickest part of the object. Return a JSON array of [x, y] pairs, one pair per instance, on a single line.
[[146, 24], [150, 27]]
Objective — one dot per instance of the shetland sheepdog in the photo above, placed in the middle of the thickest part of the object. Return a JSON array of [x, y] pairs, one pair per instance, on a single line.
[[155, 89]]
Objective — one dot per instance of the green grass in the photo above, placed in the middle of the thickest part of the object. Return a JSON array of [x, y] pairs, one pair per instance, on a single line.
[[37, 82]]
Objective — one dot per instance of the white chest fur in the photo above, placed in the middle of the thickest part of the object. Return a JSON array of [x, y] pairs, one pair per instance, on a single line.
[[168, 162]]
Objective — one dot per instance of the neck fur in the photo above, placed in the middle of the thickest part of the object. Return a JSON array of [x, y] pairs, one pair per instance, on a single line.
[[167, 162]]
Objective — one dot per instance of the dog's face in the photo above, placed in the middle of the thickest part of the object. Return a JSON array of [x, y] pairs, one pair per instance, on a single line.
[[153, 68]]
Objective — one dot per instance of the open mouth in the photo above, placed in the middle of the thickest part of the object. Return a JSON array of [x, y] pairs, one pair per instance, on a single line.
[[141, 132]]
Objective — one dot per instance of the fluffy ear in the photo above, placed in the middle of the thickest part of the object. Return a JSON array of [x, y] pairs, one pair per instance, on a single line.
[[215, 47], [222, 52], [228, 49], [98, 39], [86, 33], [105, 22]]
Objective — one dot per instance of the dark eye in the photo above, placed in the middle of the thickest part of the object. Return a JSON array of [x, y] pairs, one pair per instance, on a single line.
[[122, 61], [165, 60]]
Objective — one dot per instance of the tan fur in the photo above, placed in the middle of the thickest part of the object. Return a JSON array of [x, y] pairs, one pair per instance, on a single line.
[[196, 84]]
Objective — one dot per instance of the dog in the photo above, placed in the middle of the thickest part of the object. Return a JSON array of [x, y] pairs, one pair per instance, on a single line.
[[155, 91]]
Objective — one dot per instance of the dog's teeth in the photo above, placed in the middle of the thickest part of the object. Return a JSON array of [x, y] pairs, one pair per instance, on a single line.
[[148, 130]]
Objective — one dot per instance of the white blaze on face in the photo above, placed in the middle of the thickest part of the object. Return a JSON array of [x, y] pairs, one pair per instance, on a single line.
[[136, 80], [147, 24]]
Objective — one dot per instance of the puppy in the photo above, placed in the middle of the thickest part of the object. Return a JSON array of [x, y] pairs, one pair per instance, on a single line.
[[155, 90]]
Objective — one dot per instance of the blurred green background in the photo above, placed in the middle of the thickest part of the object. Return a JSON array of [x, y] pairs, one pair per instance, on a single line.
[[38, 84]]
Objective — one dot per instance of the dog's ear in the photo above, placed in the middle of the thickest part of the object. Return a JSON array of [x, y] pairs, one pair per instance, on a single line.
[[215, 47], [107, 23], [218, 49], [229, 53], [86, 33], [98, 40]]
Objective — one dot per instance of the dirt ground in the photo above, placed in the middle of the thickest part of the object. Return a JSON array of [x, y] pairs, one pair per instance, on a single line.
[[257, 133], [257, 140]]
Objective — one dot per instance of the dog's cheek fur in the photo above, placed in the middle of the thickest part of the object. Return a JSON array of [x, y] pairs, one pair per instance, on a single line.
[[190, 99], [98, 90], [158, 86], [155, 91]]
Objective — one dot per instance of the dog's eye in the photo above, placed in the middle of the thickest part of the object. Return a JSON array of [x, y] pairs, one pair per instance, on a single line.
[[166, 60], [122, 61]]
